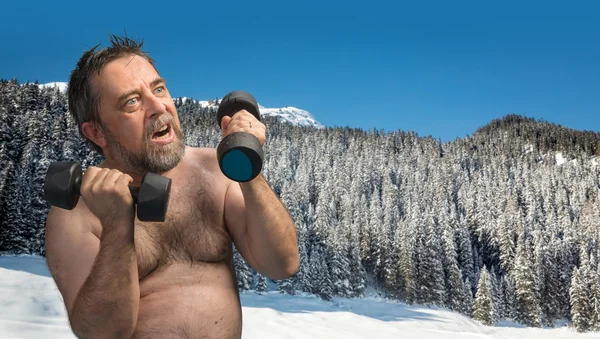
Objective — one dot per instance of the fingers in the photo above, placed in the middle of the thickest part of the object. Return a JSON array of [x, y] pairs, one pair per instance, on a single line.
[[90, 178], [243, 121], [124, 179], [225, 122], [102, 179]]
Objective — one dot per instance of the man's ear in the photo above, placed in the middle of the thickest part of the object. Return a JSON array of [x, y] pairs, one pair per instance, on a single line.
[[95, 134]]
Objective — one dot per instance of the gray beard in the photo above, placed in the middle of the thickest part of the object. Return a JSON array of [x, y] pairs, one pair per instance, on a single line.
[[156, 159]]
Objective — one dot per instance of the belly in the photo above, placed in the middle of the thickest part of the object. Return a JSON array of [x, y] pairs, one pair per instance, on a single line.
[[190, 302]]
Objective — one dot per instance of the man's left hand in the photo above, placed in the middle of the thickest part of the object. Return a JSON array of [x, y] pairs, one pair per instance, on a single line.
[[244, 121]]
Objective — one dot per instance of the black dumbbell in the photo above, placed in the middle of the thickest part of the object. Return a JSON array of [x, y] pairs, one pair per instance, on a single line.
[[63, 183], [240, 154]]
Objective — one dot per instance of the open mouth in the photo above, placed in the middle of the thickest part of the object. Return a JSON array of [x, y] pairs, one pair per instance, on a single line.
[[162, 133]]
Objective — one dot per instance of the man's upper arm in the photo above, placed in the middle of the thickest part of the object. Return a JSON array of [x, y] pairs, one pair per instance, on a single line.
[[71, 250], [235, 220]]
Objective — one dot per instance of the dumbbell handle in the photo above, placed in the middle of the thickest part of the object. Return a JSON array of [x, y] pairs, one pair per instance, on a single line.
[[135, 191]]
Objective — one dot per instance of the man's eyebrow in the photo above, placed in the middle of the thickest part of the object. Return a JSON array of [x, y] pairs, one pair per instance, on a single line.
[[157, 81], [125, 95], [154, 82]]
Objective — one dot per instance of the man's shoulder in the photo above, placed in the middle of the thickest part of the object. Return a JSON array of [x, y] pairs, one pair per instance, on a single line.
[[203, 151], [58, 218], [203, 154], [202, 162], [204, 157]]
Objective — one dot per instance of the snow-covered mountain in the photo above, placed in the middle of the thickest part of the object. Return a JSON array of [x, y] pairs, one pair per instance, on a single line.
[[293, 115], [62, 86]]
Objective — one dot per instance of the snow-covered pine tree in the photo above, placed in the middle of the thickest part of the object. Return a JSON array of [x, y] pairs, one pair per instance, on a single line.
[[391, 218], [464, 250], [407, 263], [244, 273], [497, 295], [358, 275], [455, 297], [339, 268], [565, 263], [377, 250], [508, 290], [581, 310], [483, 306], [431, 281], [509, 224], [319, 273], [595, 302], [261, 284], [468, 298], [550, 287], [527, 305]]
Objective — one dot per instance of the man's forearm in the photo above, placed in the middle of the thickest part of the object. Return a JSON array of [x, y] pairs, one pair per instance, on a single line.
[[270, 231], [107, 304]]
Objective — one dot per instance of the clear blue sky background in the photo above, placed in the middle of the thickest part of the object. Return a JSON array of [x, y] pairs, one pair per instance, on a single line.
[[440, 68]]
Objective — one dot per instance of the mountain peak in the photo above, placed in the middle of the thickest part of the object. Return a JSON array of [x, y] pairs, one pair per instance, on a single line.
[[62, 86], [290, 114]]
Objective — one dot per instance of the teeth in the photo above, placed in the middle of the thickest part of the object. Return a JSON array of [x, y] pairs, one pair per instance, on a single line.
[[166, 136]]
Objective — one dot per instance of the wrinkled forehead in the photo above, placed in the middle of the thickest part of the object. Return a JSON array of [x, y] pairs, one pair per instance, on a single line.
[[121, 75]]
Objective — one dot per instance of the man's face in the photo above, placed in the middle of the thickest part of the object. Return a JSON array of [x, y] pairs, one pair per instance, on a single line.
[[134, 106]]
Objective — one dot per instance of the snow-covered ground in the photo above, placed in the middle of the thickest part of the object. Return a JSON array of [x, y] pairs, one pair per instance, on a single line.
[[31, 307]]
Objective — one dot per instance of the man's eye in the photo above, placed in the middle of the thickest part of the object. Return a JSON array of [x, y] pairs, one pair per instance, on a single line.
[[160, 89], [130, 101]]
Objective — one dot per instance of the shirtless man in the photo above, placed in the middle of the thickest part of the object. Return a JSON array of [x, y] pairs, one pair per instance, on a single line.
[[122, 278]]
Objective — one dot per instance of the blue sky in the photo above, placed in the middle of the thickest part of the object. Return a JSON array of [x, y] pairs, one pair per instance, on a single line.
[[438, 68]]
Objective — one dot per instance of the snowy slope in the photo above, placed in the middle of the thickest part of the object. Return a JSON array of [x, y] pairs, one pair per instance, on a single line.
[[62, 86], [31, 307], [293, 115]]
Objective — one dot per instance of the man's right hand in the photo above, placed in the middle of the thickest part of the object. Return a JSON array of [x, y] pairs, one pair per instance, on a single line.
[[106, 193], [97, 273]]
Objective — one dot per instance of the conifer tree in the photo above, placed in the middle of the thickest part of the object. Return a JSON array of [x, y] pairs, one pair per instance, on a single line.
[[261, 284], [483, 306], [526, 301], [509, 295], [581, 310]]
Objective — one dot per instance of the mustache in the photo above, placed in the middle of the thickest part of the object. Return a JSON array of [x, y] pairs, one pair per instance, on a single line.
[[156, 124]]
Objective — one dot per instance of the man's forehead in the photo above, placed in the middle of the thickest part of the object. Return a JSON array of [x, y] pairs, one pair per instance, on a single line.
[[122, 73]]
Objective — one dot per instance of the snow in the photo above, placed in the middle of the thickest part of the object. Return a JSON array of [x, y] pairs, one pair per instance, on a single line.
[[290, 114], [31, 307], [293, 115], [559, 158], [62, 86]]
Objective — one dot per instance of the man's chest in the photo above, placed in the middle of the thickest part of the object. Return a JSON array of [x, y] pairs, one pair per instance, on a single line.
[[193, 232]]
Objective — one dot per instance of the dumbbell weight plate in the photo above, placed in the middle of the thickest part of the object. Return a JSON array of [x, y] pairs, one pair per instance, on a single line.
[[240, 156], [61, 184], [153, 198], [236, 101]]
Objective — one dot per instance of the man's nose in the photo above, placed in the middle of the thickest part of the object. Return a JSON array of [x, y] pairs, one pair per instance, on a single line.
[[154, 105]]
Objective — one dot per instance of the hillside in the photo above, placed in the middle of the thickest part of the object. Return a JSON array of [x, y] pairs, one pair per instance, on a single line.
[[546, 136], [497, 226]]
